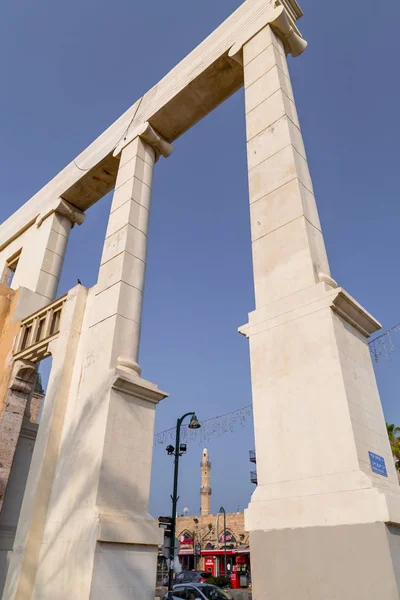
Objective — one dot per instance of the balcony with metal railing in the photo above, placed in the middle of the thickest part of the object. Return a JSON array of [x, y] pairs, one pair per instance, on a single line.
[[253, 477], [252, 456], [38, 330]]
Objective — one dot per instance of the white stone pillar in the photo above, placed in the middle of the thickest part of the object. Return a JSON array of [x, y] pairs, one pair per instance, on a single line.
[[120, 286], [86, 533], [317, 518], [42, 257]]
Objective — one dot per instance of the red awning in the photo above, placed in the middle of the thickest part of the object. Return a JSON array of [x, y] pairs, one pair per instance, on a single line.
[[186, 552], [243, 550], [218, 552]]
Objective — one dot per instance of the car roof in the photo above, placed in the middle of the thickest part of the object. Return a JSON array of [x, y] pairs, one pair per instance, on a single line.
[[198, 585]]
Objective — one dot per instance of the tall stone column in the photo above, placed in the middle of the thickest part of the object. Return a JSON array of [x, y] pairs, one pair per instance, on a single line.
[[321, 519], [120, 286], [86, 533]]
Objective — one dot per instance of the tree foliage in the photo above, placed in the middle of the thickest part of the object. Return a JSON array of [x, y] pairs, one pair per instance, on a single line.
[[394, 439]]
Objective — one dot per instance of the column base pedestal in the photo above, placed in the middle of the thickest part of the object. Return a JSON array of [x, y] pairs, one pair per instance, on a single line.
[[344, 562]]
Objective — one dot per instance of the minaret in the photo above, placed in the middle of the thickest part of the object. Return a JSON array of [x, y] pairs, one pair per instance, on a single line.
[[205, 491]]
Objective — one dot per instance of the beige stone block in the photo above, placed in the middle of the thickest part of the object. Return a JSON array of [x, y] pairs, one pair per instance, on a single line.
[[282, 263], [60, 224], [129, 213], [372, 440], [122, 216], [123, 267], [260, 42], [147, 177], [126, 338], [130, 302], [317, 249], [262, 63], [300, 355], [52, 263], [276, 209], [268, 112], [277, 170], [265, 86], [149, 153], [133, 168], [360, 415], [47, 285], [57, 243], [121, 299], [273, 139], [133, 189], [135, 565], [136, 167], [135, 148], [126, 239], [285, 204]]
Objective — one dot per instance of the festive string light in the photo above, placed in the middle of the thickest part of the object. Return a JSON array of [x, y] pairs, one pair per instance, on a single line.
[[210, 428], [383, 345]]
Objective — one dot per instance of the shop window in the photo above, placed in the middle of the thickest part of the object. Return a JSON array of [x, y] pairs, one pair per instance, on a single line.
[[10, 269]]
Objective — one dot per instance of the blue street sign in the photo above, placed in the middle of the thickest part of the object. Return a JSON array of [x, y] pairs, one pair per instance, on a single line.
[[377, 464]]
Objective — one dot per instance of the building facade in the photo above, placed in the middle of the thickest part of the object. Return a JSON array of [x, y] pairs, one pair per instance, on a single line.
[[203, 537]]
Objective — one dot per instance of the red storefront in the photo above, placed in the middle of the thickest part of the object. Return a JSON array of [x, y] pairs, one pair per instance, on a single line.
[[237, 562]]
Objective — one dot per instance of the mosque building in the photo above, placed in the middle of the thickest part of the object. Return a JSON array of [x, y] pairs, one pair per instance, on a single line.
[[203, 537]]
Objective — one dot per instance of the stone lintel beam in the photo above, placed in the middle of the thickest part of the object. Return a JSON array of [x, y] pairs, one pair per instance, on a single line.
[[64, 208], [149, 135], [282, 25]]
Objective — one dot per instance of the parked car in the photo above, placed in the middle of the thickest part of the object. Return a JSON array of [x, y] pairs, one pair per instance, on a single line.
[[197, 591], [191, 577]]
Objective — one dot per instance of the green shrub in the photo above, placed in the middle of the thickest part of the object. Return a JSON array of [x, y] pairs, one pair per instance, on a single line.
[[221, 582]]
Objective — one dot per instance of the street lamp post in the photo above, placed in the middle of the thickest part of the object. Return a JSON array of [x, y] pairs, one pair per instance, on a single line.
[[222, 510], [177, 452]]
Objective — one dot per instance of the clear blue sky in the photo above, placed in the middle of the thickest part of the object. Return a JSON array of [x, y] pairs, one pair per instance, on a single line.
[[70, 68]]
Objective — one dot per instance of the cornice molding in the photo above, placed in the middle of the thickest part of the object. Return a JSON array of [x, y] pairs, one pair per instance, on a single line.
[[73, 214], [133, 385], [292, 7], [283, 27]]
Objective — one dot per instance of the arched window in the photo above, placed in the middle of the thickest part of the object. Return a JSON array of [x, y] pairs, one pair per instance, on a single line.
[[227, 537], [210, 546], [186, 538]]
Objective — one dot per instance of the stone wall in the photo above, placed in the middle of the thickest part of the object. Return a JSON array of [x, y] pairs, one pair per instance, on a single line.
[[8, 331], [9, 433], [202, 529]]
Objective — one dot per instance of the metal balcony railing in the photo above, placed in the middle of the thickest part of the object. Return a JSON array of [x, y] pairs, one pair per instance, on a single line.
[[252, 456], [253, 477], [38, 330]]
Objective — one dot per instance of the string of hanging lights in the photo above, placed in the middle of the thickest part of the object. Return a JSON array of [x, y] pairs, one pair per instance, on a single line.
[[210, 428], [384, 345]]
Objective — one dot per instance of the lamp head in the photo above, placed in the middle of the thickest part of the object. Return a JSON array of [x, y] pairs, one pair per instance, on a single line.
[[194, 423]]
